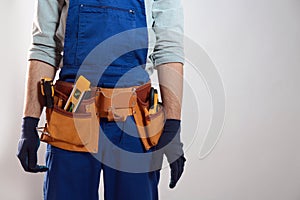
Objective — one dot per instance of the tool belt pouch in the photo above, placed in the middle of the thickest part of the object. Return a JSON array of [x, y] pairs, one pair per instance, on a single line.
[[77, 131], [150, 126]]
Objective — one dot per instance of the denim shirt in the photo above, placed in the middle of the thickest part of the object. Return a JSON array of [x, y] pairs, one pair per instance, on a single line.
[[164, 22]]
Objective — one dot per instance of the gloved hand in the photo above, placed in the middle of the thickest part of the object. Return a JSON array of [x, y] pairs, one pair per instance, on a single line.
[[28, 146], [171, 145]]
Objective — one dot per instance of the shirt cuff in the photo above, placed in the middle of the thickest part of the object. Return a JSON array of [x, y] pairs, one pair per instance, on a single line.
[[45, 54], [168, 58]]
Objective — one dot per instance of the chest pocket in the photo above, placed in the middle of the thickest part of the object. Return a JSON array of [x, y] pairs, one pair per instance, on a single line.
[[97, 23]]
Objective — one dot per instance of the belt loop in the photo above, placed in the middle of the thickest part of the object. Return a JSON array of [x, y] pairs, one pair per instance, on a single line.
[[134, 97], [110, 114]]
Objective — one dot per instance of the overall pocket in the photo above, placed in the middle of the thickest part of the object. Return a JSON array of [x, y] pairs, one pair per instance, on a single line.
[[96, 24]]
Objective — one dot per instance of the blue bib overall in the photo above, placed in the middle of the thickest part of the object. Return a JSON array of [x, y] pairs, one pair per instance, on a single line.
[[75, 175], [91, 22]]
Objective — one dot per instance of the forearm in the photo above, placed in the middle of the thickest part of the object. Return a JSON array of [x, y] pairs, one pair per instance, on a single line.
[[170, 76], [33, 103]]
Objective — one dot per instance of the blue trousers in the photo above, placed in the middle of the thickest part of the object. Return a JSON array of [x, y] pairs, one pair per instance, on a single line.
[[75, 175]]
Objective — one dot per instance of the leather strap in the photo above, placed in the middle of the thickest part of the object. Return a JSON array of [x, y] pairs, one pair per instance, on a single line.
[[115, 104]]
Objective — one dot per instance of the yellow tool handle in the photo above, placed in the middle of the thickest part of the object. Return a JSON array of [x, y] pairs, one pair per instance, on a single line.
[[154, 108], [47, 90], [155, 102]]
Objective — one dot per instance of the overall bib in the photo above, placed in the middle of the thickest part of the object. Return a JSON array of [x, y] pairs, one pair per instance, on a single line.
[[75, 175]]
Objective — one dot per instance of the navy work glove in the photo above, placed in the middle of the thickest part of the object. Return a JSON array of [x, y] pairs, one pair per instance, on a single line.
[[172, 148], [28, 146]]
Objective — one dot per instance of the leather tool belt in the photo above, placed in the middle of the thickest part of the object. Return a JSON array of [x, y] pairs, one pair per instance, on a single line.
[[79, 131]]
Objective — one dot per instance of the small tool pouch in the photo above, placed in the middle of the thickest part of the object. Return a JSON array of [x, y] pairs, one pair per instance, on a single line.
[[77, 131], [150, 126]]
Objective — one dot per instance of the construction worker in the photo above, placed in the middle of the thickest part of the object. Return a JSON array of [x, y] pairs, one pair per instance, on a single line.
[[68, 31]]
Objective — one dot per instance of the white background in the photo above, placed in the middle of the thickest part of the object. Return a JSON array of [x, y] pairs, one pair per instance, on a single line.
[[255, 45]]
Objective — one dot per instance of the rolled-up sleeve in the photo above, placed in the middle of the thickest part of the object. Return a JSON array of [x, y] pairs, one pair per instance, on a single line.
[[46, 45], [168, 27]]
